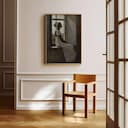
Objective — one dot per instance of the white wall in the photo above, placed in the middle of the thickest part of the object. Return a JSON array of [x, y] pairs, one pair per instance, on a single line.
[[30, 42]]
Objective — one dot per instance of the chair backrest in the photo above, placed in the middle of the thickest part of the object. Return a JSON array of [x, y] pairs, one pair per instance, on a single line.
[[84, 78]]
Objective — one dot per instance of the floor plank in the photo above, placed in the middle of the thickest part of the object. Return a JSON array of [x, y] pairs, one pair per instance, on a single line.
[[50, 119]]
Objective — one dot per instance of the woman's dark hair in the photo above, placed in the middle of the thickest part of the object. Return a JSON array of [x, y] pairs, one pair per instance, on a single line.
[[58, 24]]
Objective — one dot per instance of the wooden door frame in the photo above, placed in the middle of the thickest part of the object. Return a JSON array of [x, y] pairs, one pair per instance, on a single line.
[[13, 61], [109, 122]]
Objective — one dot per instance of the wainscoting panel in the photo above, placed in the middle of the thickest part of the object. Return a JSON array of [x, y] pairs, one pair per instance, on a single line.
[[44, 92], [41, 90]]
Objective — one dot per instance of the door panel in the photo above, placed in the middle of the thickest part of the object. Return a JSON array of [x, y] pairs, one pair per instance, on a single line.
[[120, 63], [110, 65], [7, 51]]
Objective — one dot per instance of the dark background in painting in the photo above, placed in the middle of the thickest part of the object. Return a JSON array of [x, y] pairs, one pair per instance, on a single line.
[[72, 35]]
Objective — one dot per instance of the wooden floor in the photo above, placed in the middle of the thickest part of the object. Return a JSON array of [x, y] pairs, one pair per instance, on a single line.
[[50, 119]]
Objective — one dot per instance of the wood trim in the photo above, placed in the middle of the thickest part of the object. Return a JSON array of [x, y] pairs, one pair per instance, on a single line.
[[108, 89], [112, 62], [12, 67], [123, 21], [115, 123], [123, 59], [125, 63], [116, 115], [94, 98], [86, 101], [123, 97], [109, 122], [74, 99], [78, 94], [111, 32], [63, 99], [106, 61], [74, 95]]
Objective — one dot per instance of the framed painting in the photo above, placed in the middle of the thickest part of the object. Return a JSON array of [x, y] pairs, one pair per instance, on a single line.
[[63, 38]]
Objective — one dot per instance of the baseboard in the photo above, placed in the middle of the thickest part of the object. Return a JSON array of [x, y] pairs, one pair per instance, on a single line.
[[100, 105]]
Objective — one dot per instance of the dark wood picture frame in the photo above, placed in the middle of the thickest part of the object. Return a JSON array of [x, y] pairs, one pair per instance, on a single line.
[[63, 38]]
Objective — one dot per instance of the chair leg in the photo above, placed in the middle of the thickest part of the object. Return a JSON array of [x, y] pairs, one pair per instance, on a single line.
[[63, 105], [74, 99], [63, 99], [86, 102], [94, 104], [94, 98], [74, 104]]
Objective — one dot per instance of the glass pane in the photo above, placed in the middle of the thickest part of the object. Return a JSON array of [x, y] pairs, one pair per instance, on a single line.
[[121, 113], [111, 105], [108, 49], [126, 8], [126, 39], [121, 9], [126, 114], [111, 14], [121, 78], [111, 47], [108, 103], [108, 18], [121, 41], [108, 76], [126, 81], [111, 76]]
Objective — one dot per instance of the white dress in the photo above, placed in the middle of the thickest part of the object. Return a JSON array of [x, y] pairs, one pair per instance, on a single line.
[[68, 49]]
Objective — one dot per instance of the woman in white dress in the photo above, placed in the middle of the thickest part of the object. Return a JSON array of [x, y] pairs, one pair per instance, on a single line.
[[67, 47]]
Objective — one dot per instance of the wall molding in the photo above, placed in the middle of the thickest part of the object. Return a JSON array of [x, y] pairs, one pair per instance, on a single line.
[[99, 77], [36, 80], [55, 73], [27, 103]]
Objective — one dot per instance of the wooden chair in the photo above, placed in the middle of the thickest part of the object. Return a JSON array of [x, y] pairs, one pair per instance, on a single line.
[[87, 80]]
